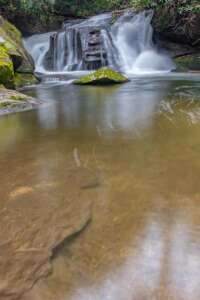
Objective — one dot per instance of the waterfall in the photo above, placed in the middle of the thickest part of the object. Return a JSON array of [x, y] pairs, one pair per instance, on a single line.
[[127, 45]]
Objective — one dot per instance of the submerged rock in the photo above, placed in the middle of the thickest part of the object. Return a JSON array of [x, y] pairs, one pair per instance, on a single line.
[[103, 76], [34, 223]]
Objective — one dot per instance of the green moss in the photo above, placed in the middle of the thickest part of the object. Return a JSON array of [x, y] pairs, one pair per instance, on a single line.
[[14, 45], [8, 104], [11, 49], [102, 76], [5, 104], [6, 68], [188, 63], [17, 97], [24, 80], [13, 57]]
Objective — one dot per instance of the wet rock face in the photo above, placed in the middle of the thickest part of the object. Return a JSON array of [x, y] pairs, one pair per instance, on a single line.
[[95, 55], [49, 56], [12, 101], [180, 29], [15, 62], [188, 63], [61, 48], [34, 223], [79, 48], [6, 67], [13, 42]]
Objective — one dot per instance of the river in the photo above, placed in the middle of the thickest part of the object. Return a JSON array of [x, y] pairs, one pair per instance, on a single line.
[[143, 140]]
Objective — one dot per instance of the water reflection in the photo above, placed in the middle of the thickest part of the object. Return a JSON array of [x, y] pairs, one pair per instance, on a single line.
[[138, 277], [161, 265], [184, 262], [127, 108]]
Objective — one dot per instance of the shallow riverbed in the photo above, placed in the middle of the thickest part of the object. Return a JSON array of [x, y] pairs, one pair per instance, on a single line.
[[143, 138]]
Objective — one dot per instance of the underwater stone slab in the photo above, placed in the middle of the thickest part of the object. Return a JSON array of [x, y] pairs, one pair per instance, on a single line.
[[34, 223], [103, 76]]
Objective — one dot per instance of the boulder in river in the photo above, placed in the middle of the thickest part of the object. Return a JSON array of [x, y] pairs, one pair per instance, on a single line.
[[103, 76]]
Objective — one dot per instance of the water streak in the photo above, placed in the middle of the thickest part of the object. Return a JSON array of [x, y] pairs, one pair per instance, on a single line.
[[127, 45]]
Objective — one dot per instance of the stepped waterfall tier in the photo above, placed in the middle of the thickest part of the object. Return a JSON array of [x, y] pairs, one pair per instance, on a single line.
[[125, 45]]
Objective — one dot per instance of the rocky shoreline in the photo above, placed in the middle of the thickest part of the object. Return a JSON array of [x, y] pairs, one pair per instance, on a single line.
[[16, 70], [12, 101]]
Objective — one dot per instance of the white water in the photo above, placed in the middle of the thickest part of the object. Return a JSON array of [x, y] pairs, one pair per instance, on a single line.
[[128, 44], [134, 40], [37, 45]]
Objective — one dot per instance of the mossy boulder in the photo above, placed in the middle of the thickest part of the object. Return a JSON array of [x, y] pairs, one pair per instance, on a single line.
[[188, 63], [21, 80], [6, 68], [103, 76], [11, 38], [12, 101]]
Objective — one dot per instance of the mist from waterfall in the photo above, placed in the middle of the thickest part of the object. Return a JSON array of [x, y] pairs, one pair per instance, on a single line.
[[133, 37], [127, 45]]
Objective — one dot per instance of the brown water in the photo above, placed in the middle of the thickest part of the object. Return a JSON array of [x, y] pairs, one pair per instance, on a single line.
[[144, 139]]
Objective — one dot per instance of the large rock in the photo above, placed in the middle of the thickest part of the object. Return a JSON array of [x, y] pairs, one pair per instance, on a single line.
[[103, 76], [6, 68], [95, 55], [91, 53], [12, 101], [13, 43], [34, 223], [188, 63], [23, 79], [178, 27]]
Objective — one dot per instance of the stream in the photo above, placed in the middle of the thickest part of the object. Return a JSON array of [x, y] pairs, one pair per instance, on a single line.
[[143, 139]]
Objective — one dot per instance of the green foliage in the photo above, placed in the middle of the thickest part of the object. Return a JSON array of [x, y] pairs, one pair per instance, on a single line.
[[38, 8], [45, 8], [179, 6]]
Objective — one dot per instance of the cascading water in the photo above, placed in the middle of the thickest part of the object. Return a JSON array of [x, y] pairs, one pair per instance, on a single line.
[[127, 45], [133, 37]]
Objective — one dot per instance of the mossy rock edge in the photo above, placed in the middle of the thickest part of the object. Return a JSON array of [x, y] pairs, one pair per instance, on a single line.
[[22, 61], [6, 68], [103, 76], [188, 63], [21, 80]]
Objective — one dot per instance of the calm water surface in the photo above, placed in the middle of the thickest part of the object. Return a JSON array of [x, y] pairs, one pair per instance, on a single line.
[[144, 139]]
